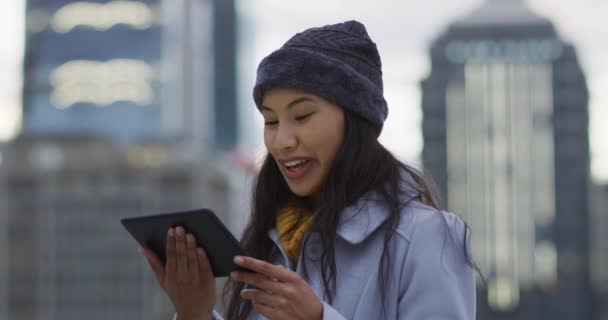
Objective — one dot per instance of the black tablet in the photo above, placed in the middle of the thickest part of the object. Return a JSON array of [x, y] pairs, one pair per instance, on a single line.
[[150, 231]]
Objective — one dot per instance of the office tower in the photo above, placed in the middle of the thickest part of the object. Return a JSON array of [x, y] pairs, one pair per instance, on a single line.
[[93, 68], [225, 93], [199, 92], [505, 136], [133, 71]]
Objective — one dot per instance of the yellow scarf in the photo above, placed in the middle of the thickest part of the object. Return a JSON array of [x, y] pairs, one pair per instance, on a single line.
[[290, 234]]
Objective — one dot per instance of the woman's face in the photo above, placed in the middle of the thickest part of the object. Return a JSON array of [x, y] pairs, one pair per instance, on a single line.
[[303, 133]]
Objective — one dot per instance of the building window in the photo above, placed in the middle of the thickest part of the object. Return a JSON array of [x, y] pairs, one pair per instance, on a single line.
[[500, 166]]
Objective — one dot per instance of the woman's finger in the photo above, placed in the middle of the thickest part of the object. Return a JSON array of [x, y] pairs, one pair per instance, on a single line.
[[155, 264], [171, 267], [192, 258], [182, 257], [269, 312], [258, 281], [265, 268], [259, 296], [203, 262]]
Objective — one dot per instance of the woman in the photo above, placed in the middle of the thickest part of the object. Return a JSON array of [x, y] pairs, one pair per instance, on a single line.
[[340, 229]]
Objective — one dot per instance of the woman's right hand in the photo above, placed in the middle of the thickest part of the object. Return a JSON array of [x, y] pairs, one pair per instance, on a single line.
[[187, 277]]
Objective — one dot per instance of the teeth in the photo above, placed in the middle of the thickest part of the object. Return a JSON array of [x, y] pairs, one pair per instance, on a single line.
[[294, 163]]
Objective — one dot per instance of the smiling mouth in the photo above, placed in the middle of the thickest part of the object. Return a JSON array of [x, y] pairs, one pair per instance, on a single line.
[[295, 165], [297, 169]]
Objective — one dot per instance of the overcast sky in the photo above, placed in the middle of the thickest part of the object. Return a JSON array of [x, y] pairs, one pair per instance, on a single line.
[[402, 29]]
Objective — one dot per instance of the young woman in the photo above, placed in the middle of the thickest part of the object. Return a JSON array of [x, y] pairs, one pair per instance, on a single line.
[[339, 229]]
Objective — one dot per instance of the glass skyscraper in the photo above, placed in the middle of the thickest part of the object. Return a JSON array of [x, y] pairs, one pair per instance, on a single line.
[[505, 136], [93, 68]]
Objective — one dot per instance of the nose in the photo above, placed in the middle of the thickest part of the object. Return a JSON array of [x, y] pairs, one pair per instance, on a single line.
[[286, 138]]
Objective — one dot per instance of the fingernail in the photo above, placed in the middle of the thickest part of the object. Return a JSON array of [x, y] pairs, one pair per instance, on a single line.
[[238, 260], [233, 275], [140, 251]]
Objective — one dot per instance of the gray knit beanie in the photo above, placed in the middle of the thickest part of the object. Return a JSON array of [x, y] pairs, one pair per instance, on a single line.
[[337, 62]]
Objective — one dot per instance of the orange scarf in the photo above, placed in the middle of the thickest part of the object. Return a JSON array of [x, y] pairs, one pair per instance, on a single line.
[[292, 223]]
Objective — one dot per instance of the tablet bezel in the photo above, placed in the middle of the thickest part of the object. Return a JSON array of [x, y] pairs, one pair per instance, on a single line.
[[150, 231]]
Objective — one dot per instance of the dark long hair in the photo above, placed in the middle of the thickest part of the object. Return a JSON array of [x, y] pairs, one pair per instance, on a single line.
[[361, 165]]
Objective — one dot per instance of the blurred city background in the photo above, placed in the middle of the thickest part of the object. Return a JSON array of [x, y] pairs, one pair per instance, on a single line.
[[118, 108]]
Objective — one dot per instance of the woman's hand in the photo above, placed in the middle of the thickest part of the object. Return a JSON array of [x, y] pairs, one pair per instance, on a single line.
[[187, 277], [280, 293]]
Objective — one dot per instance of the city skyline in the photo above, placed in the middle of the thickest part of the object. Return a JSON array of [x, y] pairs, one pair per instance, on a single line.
[[405, 62], [403, 54], [496, 113]]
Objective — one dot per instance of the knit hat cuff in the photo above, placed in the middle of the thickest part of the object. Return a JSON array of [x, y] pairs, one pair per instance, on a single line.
[[322, 75]]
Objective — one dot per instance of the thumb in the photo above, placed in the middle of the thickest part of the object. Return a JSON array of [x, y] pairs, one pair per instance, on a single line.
[[155, 264]]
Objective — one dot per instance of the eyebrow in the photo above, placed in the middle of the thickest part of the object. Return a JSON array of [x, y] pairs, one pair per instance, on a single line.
[[292, 104]]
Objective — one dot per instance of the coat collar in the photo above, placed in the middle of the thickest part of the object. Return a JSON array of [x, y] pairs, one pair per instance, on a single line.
[[361, 219], [358, 221]]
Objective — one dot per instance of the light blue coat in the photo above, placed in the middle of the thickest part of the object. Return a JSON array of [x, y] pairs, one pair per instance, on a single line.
[[429, 280]]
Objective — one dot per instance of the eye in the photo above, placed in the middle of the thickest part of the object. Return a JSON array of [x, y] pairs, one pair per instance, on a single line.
[[304, 117], [271, 123]]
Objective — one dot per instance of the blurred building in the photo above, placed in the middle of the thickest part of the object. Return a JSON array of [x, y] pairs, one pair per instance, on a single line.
[[66, 253], [128, 109], [93, 68], [199, 63], [225, 93], [599, 247], [506, 137], [133, 71]]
